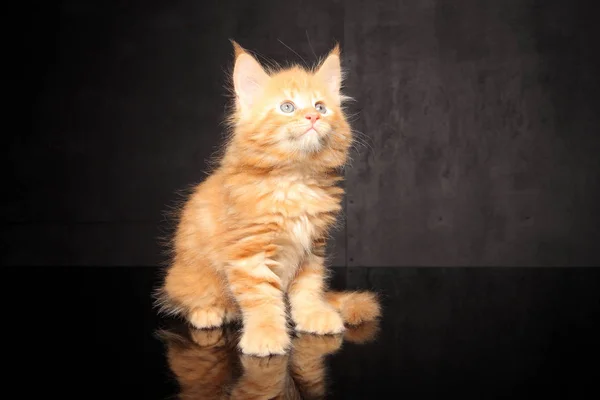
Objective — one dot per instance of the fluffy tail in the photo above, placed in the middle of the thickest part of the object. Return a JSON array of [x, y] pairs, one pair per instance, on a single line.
[[355, 307]]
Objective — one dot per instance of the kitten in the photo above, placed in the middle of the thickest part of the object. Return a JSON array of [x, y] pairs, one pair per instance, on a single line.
[[255, 230]]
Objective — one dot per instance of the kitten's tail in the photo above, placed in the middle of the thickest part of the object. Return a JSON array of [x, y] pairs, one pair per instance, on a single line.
[[355, 307]]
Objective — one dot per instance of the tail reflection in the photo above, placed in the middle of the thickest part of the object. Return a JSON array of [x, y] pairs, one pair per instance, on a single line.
[[207, 364]]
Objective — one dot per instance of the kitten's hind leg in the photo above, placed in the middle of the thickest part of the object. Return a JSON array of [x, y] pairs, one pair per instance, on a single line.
[[208, 317], [216, 314], [199, 295]]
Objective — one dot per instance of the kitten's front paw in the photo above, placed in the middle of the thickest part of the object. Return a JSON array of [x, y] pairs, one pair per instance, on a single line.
[[322, 321], [264, 341]]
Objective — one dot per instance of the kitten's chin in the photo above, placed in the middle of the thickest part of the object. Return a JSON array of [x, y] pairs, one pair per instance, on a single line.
[[309, 142]]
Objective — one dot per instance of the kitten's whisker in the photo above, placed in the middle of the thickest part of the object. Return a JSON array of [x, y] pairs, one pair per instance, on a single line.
[[352, 114], [363, 145], [357, 142], [310, 45], [293, 51], [272, 65], [364, 138]]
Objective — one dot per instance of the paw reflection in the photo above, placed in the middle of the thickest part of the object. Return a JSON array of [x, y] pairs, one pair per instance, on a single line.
[[208, 365], [201, 360]]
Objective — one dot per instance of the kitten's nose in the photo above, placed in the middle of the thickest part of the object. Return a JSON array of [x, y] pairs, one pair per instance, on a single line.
[[312, 117]]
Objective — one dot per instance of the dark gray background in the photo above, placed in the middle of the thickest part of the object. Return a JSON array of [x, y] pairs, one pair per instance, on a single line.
[[479, 120]]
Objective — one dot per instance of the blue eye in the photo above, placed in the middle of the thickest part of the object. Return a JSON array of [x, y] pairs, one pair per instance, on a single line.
[[287, 107], [321, 108]]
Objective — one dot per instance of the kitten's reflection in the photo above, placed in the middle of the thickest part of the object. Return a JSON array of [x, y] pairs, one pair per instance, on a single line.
[[207, 364]]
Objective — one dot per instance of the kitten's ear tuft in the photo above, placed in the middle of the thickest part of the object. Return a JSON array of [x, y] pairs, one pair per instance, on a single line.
[[249, 77], [336, 50], [331, 72], [238, 50]]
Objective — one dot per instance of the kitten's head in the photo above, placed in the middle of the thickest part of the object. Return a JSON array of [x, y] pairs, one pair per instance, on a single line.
[[292, 113]]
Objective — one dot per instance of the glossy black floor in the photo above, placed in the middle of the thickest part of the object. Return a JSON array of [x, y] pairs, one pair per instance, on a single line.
[[484, 333]]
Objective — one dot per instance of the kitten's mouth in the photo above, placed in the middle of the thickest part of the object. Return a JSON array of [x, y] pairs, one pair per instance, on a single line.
[[311, 131]]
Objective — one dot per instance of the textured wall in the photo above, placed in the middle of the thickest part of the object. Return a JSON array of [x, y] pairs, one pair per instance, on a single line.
[[484, 141], [479, 119]]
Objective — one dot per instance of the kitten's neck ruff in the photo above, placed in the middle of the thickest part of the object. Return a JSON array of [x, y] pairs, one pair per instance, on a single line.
[[238, 160]]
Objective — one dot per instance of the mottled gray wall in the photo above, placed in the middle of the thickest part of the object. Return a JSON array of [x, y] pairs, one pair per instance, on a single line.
[[484, 136], [479, 119]]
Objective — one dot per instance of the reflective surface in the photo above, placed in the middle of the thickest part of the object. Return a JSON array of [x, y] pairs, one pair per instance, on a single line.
[[207, 364], [481, 333]]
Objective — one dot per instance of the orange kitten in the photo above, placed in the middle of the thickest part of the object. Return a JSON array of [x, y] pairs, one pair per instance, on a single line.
[[255, 230]]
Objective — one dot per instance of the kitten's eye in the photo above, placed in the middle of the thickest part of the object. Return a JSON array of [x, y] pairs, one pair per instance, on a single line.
[[287, 107], [321, 108]]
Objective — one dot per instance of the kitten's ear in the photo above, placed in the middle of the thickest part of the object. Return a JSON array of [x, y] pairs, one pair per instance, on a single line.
[[249, 78], [331, 72]]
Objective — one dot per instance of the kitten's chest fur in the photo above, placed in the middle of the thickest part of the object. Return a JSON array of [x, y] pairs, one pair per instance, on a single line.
[[305, 210], [302, 205]]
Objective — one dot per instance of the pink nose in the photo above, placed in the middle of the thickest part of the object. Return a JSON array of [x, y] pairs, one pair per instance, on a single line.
[[312, 117]]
